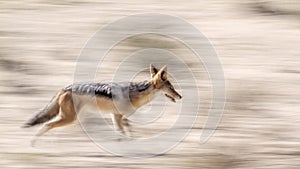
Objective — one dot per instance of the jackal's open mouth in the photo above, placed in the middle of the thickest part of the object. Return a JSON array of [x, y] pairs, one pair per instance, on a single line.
[[171, 98]]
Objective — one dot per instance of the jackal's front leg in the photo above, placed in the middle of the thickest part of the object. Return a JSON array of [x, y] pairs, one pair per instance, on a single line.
[[120, 122], [117, 122], [126, 123]]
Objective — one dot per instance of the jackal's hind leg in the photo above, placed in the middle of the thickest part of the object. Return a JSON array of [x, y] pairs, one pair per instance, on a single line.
[[46, 127], [66, 116]]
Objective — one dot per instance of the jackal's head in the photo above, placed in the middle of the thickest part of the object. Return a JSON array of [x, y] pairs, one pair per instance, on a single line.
[[160, 81]]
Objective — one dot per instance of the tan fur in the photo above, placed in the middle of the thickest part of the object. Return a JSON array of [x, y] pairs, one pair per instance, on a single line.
[[105, 104], [65, 105], [143, 99]]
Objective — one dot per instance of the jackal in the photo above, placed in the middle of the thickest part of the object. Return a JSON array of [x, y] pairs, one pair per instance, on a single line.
[[114, 98]]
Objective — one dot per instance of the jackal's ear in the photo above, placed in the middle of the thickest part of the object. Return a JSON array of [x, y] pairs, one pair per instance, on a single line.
[[153, 70], [163, 73]]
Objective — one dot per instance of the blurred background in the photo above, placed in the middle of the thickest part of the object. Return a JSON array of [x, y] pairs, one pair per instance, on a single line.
[[257, 43]]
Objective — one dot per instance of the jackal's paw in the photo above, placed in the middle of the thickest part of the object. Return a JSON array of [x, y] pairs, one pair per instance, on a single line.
[[32, 142]]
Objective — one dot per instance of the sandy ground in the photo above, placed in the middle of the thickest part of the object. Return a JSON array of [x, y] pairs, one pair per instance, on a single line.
[[257, 44]]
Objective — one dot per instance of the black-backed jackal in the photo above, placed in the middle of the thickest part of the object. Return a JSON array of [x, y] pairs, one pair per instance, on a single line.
[[63, 107]]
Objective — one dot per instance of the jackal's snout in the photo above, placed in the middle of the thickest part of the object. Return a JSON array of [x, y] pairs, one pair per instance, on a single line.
[[172, 94]]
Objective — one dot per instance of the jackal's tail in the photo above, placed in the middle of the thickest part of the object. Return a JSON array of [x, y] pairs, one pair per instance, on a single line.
[[47, 113]]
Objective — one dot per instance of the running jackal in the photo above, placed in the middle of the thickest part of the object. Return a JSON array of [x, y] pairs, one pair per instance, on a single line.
[[119, 99]]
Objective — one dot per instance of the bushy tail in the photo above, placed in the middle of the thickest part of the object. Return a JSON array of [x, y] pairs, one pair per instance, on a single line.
[[47, 113]]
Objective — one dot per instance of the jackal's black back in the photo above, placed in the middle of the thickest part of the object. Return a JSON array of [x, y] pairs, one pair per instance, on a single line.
[[98, 89], [108, 89]]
